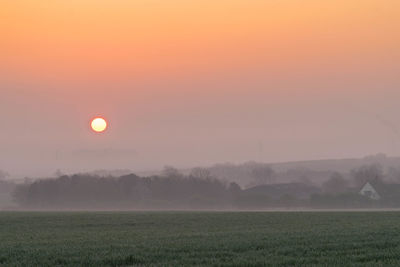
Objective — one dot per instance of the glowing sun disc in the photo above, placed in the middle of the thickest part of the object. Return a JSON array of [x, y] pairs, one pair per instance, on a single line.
[[99, 125]]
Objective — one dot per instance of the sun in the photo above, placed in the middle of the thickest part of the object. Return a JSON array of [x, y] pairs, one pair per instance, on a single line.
[[99, 125]]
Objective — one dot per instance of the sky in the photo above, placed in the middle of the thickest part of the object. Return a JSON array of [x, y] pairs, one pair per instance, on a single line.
[[192, 83]]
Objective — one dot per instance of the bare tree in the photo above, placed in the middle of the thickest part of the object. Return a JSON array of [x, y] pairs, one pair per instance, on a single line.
[[170, 171], [201, 173], [336, 184], [234, 188], [367, 173]]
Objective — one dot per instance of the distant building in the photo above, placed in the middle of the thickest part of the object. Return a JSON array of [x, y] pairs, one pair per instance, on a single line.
[[381, 191], [369, 191]]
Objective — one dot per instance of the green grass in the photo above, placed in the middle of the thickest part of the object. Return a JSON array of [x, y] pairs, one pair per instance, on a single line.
[[199, 238]]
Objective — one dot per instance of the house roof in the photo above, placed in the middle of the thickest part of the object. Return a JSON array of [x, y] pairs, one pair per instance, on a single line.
[[386, 190]]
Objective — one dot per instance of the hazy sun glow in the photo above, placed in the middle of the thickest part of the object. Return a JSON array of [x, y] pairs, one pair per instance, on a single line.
[[99, 125]]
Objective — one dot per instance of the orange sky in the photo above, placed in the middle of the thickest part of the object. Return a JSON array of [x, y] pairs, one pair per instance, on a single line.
[[84, 38], [181, 64]]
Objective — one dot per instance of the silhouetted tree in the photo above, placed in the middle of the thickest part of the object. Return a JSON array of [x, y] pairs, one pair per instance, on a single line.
[[367, 173], [201, 173], [234, 188], [336, 184], [170, 171], [130, 191]]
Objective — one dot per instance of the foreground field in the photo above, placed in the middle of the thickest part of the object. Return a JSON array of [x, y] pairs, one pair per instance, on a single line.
[[199, 238]]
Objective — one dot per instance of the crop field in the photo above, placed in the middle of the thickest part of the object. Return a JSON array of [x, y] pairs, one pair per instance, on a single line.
[[199, 238]]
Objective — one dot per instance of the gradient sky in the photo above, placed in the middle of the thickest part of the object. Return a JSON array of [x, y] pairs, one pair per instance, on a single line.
[[189, 83]]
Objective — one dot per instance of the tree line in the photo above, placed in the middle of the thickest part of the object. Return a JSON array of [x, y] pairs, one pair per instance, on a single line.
[[83, 191], [200, 190]]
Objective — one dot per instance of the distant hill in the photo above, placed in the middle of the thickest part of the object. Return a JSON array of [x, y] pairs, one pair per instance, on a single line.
[[339, 165], [307, 171], [311, 171]]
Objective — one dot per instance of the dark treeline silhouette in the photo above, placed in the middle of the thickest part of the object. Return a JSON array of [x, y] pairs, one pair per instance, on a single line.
[[201, 190], [128, 192]]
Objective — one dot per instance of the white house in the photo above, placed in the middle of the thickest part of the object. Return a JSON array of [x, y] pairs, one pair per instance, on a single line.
[[369, 191]]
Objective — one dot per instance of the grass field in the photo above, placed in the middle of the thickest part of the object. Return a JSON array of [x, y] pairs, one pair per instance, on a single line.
[[199, 238]]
